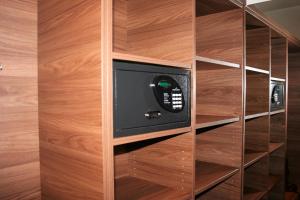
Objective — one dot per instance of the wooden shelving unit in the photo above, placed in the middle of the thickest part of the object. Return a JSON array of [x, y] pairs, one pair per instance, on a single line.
[[235, 146], [278, 118], [264, 128], [219, 86]]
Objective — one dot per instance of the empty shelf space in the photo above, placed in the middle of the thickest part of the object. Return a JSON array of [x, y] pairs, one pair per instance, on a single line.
[[142, 59], [210, 174], [277, 112], [217, 62], [253, 194], [274, 146], [253, 69], [247, 117], [203, 121], [146, 136], [252, 157], [265, 182], [134, 188]]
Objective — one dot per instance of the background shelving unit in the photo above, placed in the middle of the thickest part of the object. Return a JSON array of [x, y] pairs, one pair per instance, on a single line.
[[265, 130], [219, 87], [278, 136]]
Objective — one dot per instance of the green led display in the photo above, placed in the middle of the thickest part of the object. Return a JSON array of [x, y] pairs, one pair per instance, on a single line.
[[164, 84]]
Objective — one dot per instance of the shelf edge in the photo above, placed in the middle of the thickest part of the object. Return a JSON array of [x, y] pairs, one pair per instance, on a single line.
[[256, 115], [263, 154], [217, 62], [135, 58], [253, 69], [216, 123], [277, 79], [277, 112], [147, 136]]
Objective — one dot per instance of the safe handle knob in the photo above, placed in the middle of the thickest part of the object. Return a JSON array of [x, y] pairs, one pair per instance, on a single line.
[[153, 114]]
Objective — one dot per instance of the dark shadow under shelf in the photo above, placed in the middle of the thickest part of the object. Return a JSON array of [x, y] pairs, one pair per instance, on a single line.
[[252, 157], [210, 174], [253, 194], [137, 189], [203, 121]]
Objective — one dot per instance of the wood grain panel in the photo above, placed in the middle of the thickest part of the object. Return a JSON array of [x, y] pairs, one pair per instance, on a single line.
[[218, 90], [278, 57], [221, 145], [69, 99], [220, 36], [257, 134], [277, 128], [156, 29], [293, 149], [19, 143], [121, 162], [258, 48], [277, 167], [169, 162], [257, 93], [120, 21]]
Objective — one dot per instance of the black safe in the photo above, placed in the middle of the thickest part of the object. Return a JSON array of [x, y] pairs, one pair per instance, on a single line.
[[149, 98], [277, 95]]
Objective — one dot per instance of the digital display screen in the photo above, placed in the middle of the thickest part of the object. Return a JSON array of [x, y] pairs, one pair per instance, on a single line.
[[164, 84]]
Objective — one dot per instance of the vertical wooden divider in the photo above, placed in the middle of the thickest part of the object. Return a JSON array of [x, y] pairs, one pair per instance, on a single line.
[[107, 94]]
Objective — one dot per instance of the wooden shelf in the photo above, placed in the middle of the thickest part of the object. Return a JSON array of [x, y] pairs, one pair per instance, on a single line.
[[134, 188], [253, 69], [277, 112], [256, 115], [277, 79], [210, 174], [203, 121], [252, 157], [253, 194], [274, 146], [135, 58], [217, 62], [146, 136]]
